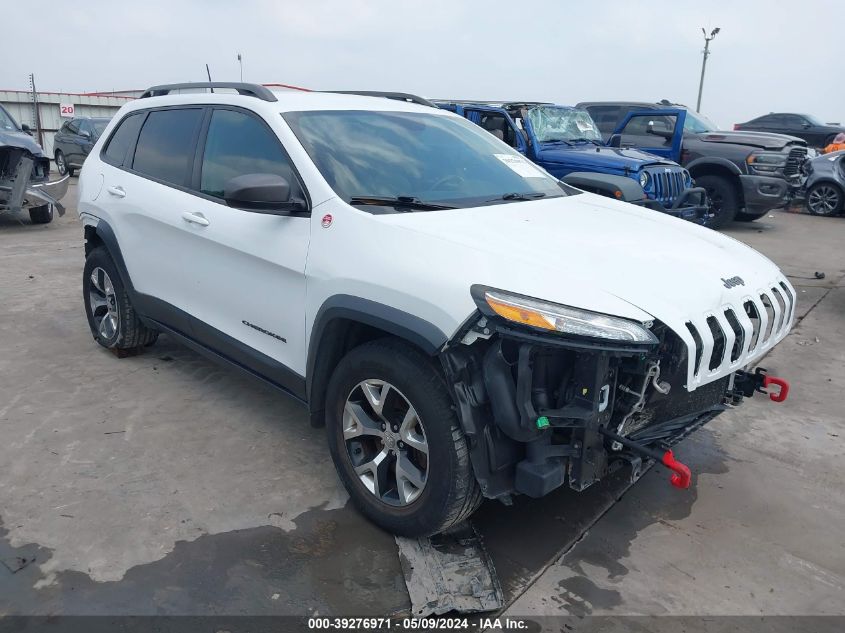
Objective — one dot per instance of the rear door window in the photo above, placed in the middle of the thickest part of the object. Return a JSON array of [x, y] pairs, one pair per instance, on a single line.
[[166, 145], [122, 139]]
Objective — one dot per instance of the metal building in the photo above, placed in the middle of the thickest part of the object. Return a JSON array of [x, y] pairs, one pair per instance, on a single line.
[[55, 108]]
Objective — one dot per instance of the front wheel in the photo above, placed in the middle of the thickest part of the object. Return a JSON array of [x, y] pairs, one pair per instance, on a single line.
[[42, 214], [824, 198], [396, 441], [724, 200]]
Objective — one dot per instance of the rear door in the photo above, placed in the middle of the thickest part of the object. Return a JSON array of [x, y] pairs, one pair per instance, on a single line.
[[658, 132], [146, 180]]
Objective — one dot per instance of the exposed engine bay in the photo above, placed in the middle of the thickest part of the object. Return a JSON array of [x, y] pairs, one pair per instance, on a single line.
[[541, 411], [24, 181]]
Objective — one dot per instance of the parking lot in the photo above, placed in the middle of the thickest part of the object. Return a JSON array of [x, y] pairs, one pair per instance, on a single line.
[[165, 484]]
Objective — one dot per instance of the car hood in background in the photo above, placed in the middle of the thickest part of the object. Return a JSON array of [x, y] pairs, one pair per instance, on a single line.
[[762, 140], [598, 157], [20, 139]]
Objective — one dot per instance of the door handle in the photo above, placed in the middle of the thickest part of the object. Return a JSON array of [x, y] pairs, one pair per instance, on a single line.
[[195, 218], [117, 191]]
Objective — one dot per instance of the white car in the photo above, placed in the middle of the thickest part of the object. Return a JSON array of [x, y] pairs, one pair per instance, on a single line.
[[465, 325]]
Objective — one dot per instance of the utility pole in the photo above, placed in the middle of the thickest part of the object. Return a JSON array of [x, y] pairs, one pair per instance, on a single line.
[[707, 40], [36, 110], [241, 64]]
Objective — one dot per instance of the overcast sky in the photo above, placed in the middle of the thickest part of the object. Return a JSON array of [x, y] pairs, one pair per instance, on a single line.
[[769, 56]]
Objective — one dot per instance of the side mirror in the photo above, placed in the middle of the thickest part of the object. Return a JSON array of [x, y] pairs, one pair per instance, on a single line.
[[615, 140], [262, 193], [806, 125], [664, 133], [26, 129]]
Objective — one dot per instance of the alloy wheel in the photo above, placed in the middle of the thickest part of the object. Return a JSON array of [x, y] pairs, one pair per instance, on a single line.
[[61, 165], [823, 200], [386, 442], [103, 302]]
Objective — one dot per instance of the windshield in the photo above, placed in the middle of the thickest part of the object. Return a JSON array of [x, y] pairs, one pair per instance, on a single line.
[[7, 122], [434, 158], [698, 123], [553, 123], [99, 127]]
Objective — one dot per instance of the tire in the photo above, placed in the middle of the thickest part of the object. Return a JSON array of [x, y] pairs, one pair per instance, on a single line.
[[724, 199], [824, 198], [400, 378], [42, 214], [747, 217], [112, 318], [61, 164]]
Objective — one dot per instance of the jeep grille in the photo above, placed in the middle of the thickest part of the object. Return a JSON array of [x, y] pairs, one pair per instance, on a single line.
[[730, 338]]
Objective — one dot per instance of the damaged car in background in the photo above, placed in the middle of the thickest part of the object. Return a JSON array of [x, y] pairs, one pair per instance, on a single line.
[[25, 173]]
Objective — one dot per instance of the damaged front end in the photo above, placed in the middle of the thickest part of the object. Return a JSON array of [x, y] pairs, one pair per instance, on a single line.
[[544, 409], [24, 180]]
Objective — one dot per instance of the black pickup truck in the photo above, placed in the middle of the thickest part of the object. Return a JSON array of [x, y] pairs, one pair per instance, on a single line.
[[746, 174]]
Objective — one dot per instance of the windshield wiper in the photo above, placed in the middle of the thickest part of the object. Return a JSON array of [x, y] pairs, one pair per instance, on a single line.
[[585, 140], [409, 202], [557, 140], [520, 196]]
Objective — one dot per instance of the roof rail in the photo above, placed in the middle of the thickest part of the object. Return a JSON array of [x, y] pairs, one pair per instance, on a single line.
[[250, 90], [396, 96]]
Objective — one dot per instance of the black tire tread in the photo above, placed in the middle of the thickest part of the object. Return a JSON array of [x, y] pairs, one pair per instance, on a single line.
[[730, 195], [41, 215]]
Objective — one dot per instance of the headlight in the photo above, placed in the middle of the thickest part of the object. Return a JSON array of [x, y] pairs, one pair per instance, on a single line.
[[644, 178], [552, 316], [765, 162]]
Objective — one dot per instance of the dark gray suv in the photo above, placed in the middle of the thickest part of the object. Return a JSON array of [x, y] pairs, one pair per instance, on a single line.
[[74, 140]]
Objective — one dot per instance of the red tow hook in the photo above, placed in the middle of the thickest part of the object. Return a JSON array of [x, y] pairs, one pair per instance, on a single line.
[[779, 395], [681, 475]]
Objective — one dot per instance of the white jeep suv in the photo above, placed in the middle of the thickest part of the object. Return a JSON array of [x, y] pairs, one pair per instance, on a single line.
[[465, 325]]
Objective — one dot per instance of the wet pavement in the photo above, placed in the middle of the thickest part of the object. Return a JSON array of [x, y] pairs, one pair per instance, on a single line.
[[165, 484]]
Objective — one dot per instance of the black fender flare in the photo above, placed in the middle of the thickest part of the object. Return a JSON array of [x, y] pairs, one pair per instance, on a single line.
[[609, 183], [713, 161], [105, 234], [417, 331]]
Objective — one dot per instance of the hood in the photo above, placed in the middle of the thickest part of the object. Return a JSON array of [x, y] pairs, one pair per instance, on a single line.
[[20, 139], [599, 158], [594, 253], [762, 140]]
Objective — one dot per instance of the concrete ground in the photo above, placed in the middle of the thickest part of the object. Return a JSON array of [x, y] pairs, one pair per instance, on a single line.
[[165, 484]]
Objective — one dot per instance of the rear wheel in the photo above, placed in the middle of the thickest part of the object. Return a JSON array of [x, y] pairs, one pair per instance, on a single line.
[[61, 164], [396, 442], [724, 200], [111, 316], [824, 198], [42, 214]]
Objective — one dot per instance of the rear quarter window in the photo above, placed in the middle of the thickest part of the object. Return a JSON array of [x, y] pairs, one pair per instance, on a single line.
[[122, 139]]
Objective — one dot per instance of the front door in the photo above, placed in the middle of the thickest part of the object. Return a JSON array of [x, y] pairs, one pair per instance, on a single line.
[[246, 270], [658, 132]]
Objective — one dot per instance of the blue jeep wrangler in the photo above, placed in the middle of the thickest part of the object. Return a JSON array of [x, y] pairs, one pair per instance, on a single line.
[[567, 143]]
